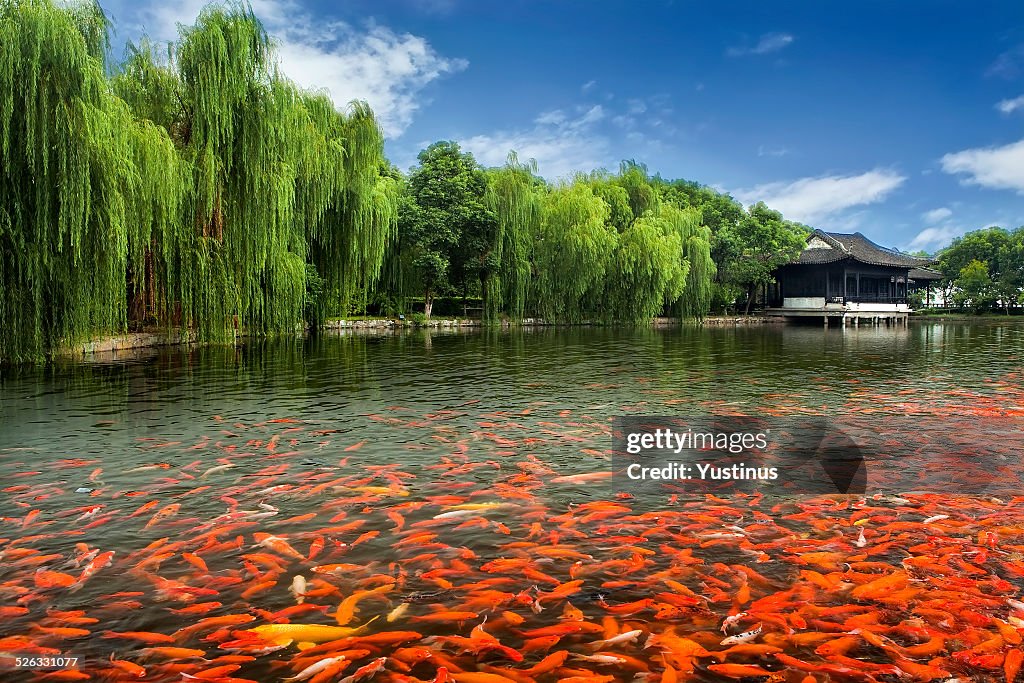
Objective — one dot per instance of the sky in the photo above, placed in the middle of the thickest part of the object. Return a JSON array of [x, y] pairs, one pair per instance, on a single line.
[[901, 120]]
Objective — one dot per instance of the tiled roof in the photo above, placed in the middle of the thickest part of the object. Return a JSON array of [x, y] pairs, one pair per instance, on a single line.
[[924, 274], [829, 247]]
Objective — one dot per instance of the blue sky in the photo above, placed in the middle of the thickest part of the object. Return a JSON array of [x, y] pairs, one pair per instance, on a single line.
[[903, 120]]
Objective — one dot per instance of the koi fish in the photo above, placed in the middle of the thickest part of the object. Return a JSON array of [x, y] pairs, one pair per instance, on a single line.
[[311, 633], [745, 637]]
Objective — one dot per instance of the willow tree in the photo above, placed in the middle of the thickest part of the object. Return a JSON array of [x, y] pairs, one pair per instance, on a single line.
[[573, 250], [647, 271], [82, 182], [349, 197], [642, 195], [607, 187], [289, 208], [148, 85], [694, 300], [515, 199], [244, 257]]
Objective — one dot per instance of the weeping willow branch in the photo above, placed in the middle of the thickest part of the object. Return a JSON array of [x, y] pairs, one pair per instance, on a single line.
[[574, 246], [83, 184], [513, 198], [230, 197], [694, 300], [647, 270]]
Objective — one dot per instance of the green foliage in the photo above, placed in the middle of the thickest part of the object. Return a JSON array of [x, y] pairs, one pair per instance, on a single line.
[[514, 200], [642, 195], [615, 196], [755, 246], [647, 270], [82, 184], [694, 300], [94, 25], [446, 226], [974, 287], [735, 237], [209, 187], [1001, 252], [150, 86], [573, 248]]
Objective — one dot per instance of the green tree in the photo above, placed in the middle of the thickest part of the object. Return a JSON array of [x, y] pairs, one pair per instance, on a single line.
[[722, 216], [83, 184], [1000, 251], [974, 287], [449, 230], [981, 245], [647, 271], [515, 197], [756, 246], [641, 194], [620, 215], [1009, 282], [573, 249], [694, 300]]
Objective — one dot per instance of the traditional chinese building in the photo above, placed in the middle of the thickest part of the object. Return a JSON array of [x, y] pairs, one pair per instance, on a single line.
[[845, 277]]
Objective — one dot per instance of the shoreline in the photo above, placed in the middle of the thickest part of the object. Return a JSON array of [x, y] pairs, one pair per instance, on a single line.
[[133, 341]]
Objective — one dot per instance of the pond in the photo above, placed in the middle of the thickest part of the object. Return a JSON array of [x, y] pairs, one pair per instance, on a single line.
[[437, 506]]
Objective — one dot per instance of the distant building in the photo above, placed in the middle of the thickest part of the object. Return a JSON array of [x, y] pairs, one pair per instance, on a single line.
[[847, 277]]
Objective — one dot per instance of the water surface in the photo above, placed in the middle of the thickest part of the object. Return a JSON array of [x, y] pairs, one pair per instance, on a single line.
[[278, 437]]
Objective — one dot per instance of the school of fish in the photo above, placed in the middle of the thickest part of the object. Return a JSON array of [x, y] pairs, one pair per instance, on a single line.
[[489, 565]]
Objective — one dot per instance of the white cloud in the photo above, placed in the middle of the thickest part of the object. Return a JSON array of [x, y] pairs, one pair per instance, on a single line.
[[932, 239], [936, 215], [560, 145], [588, 86], [1009, 64], [592, 115], [1000, 168], [1012, 105], [551, 118], [637, 107], [581, 138], [767, 151], [387, 69], [769, 42], [623, 121], [813, 199]]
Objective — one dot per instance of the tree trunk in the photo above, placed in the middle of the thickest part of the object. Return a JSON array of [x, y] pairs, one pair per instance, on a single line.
[[750, 297], [428, 303], [150, 313], [135, 303], [484, 277]]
